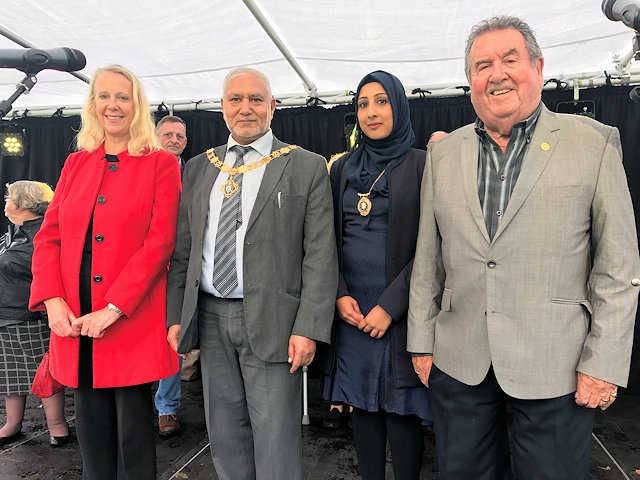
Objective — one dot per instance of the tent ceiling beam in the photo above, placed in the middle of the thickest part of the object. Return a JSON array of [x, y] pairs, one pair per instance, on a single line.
[[279, 43], [587, 80]]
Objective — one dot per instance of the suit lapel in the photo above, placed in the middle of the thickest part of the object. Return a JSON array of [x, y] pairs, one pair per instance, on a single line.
[[469, 168], [543, 142], [272, 173]]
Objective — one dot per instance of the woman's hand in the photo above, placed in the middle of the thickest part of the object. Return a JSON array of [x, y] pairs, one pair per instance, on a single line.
[[95, 323], [349, 310], [376, 322], [61, 317]]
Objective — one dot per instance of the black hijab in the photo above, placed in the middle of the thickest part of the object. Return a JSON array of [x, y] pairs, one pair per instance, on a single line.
[[369, 157]]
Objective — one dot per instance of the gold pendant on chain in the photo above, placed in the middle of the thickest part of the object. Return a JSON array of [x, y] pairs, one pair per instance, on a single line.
[[364, 205], [229, 187]]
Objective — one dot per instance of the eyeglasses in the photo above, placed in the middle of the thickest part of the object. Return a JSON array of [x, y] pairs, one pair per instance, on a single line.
[[7, 197]]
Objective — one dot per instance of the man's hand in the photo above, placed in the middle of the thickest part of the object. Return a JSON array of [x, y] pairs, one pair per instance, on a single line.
[[593, 392], [422, 366], [301, 352], [173, 335]]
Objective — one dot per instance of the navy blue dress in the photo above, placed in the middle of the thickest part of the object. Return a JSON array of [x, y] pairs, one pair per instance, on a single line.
[[363, 375]]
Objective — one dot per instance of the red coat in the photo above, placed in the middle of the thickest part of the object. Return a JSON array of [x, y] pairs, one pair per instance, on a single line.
[[135, 205]]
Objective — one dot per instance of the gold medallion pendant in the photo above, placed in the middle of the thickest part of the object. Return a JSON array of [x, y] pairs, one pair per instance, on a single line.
[[229, 187], [364, 204]]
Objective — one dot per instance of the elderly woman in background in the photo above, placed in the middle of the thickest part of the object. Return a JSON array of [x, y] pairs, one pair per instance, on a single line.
[[24, 335], [100, 269]]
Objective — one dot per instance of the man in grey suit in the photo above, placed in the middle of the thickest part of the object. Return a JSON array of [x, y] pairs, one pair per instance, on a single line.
[[523, 292], [253, 279]]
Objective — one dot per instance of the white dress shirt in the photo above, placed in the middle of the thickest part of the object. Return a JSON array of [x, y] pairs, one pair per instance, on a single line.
[[249, 191]]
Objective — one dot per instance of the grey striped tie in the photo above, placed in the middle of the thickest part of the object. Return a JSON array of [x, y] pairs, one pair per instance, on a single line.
[[225, 276]]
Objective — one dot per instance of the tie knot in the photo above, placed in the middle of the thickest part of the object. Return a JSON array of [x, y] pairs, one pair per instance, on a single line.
[[240, 151]]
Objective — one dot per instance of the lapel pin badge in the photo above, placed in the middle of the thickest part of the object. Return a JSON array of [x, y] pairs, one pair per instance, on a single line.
[[544, 146]]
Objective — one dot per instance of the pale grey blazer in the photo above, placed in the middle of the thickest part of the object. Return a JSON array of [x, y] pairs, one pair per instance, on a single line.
[[552, 293], [289, 264]]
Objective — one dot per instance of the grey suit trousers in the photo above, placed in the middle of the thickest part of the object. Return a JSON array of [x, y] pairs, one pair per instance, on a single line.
[[252, 408]]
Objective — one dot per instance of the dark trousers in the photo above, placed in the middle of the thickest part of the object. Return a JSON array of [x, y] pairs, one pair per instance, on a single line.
[[406, 440], [116, 433], [551, 438]]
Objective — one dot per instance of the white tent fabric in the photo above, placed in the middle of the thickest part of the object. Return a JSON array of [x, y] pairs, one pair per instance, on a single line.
[[321, 48]]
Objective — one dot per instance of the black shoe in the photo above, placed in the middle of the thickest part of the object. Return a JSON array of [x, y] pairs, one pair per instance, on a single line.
[[333, 419], [57, 442], [10, 438]]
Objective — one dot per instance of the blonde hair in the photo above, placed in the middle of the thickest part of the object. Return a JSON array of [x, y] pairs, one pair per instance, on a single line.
[[142, 130], [30, 195]]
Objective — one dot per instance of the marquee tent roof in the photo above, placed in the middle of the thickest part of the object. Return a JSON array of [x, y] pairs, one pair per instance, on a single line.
[[182, 50]]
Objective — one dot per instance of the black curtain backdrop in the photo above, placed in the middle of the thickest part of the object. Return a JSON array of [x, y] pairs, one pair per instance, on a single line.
[[322, 130]]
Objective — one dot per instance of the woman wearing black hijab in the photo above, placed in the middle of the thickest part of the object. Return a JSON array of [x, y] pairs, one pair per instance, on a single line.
[[376, 193]]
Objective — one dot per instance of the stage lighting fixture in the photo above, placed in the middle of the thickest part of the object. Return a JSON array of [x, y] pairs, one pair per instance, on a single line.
[[586, 108], [625, 11], [12, 141]]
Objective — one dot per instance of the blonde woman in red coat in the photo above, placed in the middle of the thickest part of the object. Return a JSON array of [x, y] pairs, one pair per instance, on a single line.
[[100, 269]]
